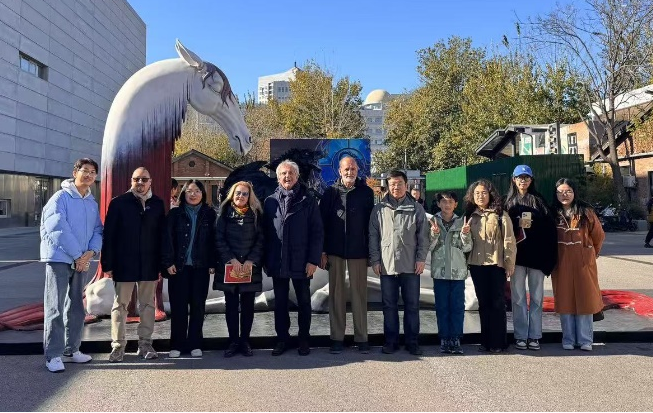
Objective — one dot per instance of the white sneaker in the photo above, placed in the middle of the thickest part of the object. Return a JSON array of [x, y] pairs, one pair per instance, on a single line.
[[174, 354], [568, 346], [586, 347], [77, 357], [55, 365], [196, 353]]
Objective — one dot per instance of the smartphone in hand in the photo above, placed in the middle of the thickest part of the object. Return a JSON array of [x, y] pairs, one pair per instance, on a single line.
[[526, 220]]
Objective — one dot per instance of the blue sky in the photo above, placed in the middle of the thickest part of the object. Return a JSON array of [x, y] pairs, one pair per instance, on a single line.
[[374, 42]]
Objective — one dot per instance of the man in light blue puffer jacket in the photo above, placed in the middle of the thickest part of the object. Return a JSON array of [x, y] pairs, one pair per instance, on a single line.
[[71, 234]]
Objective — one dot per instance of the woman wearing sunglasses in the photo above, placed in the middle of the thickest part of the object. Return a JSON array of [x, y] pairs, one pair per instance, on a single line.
[[239, 243]]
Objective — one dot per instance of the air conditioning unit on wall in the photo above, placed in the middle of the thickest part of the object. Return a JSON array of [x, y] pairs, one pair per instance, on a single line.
[[630, 181]]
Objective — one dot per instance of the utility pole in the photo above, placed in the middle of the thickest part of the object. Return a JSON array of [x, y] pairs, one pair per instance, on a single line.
[[405, 159]]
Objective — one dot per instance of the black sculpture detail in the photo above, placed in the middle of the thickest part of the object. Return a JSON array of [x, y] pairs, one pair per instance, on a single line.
[[265, 183]]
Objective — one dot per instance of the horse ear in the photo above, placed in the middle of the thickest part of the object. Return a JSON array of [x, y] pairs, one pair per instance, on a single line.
[[191, 58]]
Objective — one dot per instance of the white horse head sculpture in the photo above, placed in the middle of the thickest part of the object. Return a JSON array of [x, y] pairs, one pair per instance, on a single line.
[[215, 99], [150, 107]]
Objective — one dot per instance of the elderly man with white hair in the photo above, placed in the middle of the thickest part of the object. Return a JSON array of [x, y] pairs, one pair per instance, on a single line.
[[294, 236]]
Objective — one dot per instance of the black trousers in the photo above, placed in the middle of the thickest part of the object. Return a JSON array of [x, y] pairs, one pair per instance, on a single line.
[[489, 283], [281, 288], [649, 235], [188, 288], [239, 331]]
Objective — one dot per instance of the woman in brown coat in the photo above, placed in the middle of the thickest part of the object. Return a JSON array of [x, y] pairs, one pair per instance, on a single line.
[[575, 278]]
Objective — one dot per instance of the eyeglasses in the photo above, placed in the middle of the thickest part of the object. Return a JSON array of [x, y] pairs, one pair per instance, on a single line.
[[523, 178], [140, 179], [87, 172], [241, 193], [569, 192]]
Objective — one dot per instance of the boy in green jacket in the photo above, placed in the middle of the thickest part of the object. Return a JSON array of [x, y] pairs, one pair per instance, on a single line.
[[450, 240]]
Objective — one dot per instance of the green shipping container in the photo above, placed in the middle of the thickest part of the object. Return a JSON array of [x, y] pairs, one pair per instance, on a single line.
[[547, 169]]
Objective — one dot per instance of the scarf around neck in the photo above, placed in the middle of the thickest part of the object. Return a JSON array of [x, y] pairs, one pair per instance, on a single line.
[[140, 197], [240, 211], [287, 197]]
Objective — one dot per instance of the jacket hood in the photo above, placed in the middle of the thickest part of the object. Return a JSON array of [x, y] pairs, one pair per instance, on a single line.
[[457, 222], [69, 186]]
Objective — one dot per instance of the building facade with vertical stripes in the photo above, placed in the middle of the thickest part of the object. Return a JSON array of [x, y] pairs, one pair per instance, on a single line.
[[61, 64]]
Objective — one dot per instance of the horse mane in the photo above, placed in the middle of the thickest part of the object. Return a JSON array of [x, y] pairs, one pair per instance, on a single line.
[[226, 92]]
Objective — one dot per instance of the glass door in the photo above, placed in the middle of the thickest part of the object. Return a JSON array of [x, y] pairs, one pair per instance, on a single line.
[[41, 189]]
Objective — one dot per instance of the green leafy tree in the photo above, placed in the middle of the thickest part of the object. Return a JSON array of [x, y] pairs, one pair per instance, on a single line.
[[465, 95], [321, 106], [418, 122]]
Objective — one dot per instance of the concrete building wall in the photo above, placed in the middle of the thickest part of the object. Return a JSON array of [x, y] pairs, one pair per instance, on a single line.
[[84, 50]]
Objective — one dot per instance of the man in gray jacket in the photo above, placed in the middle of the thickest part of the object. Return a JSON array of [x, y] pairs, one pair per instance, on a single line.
[[399, 243]]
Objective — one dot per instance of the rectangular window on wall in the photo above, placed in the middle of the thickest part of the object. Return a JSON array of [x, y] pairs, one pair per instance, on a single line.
[[32, 66], [4, 208], [572, 143]]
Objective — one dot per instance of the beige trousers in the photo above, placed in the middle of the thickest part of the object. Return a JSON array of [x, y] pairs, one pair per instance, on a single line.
[[146, 290], [338, 297]]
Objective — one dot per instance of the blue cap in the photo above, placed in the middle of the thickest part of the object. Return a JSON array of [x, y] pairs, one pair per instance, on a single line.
[[522, 170]]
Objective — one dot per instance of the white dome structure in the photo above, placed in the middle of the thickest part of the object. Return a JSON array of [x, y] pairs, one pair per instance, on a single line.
[[376, 96]]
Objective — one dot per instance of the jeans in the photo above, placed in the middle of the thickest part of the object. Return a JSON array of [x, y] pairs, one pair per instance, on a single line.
[[449, 307], [489, 283], [527, 319], [281, 287], [63, 308], [246, 301], [187, 288], [390, 287], [577, 329]]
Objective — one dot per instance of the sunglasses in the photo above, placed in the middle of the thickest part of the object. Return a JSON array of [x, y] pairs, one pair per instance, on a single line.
[[140, 179], [241, 193]]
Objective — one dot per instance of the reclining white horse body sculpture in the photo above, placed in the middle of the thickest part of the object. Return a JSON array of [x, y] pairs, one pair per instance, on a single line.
[[152, 104], [100, 294]]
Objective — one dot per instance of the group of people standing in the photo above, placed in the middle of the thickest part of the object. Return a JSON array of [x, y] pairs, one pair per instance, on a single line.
[[521, 238], [290, 235]]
